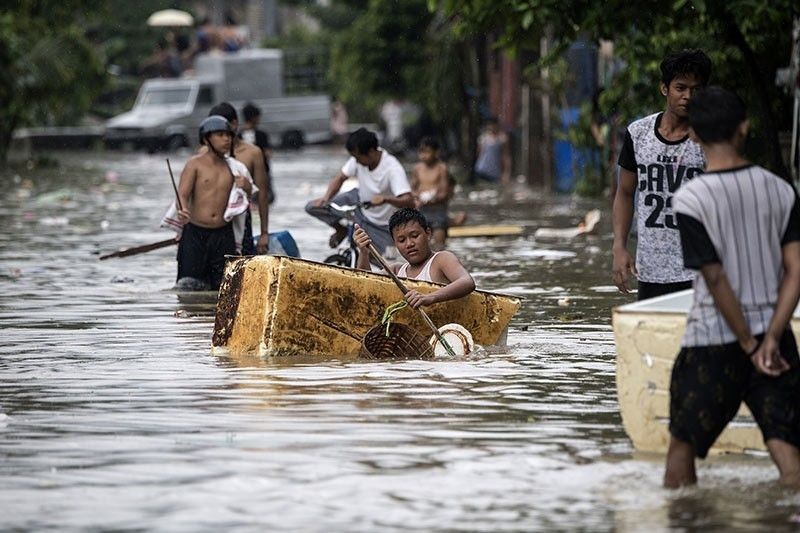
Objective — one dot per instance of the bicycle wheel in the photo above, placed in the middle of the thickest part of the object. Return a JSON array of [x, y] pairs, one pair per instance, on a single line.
[[337, 259]]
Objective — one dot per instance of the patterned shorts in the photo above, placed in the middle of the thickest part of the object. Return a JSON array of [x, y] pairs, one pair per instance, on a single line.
[[709, 384]]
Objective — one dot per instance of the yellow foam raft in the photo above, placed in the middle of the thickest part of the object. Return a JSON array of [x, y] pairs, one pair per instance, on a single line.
[[648, 337], [277, 306]]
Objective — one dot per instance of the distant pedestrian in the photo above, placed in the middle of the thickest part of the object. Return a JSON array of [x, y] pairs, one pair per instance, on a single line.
[[429, 183], [231, 35], [493, 162], [392, 118], [657, 157], [339, 121], [740, 228], [251, 133]]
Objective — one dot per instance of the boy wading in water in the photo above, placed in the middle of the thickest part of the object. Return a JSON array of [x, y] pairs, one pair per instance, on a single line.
[[429, 182], [412, 234], [740, 227], [252, 134], [657, 158], [205, 193], [493, 161], [253, 159]]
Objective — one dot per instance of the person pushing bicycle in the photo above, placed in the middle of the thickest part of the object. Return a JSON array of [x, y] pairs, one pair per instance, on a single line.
[[382, 182]]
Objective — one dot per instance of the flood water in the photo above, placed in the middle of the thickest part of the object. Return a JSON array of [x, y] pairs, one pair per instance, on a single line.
[[114, 415]]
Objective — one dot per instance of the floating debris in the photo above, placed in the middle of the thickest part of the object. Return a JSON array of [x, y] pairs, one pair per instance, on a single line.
[[54, 221]]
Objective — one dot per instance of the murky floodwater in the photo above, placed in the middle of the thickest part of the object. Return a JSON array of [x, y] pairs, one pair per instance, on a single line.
[[115, 416]]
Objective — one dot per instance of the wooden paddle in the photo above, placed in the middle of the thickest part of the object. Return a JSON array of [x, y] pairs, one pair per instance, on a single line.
[[125, 252], [404, 290], [174, 187]]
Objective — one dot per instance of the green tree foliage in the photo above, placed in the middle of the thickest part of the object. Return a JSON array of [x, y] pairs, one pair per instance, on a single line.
[[387, 48], [49, 72], [382, 53], [747, 40]]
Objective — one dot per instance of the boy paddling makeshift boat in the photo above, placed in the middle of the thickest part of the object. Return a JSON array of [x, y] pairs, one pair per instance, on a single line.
[[412, 234], [740, 227]]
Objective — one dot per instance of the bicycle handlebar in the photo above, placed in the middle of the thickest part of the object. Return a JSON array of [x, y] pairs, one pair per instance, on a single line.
[[347, 209]]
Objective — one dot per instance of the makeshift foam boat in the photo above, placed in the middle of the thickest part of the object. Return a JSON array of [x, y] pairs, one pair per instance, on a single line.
[[648, 337], [277, 306]]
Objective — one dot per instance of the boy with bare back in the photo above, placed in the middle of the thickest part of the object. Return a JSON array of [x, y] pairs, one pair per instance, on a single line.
[[431, 189], [204, 192]]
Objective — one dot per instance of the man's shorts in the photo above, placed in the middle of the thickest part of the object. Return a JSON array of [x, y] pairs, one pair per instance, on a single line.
[[202, 251], [709, 384], [436, 215], [649, 290]]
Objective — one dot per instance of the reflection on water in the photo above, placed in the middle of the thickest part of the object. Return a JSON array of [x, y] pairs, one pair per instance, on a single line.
[[114, 414]]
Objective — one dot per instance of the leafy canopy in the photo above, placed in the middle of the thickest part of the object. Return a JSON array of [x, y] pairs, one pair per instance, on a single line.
[[49, 71], [746, 39]]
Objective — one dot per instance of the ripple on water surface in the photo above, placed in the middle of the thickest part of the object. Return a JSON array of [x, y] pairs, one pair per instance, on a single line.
[[114, 414]]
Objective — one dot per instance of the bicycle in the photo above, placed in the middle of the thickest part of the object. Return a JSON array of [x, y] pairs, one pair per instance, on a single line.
[[347, 255]]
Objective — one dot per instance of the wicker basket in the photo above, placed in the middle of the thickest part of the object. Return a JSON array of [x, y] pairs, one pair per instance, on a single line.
[[402, 343]]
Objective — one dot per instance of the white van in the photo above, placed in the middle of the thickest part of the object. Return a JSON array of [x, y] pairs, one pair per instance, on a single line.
[[168, 111]]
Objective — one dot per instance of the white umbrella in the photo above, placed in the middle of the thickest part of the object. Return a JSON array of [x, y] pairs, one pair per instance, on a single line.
[[170, 17]]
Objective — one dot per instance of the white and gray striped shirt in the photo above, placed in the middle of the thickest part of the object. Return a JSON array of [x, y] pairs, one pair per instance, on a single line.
[[741, 219]]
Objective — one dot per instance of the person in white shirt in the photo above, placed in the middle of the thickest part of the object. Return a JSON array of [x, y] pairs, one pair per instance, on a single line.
[[382, 182]]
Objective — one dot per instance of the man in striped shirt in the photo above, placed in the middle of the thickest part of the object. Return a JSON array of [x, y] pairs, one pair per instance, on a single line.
[[739, 226]]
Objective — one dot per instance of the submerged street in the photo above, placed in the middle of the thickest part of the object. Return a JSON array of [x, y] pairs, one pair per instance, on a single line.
[[114, 414]]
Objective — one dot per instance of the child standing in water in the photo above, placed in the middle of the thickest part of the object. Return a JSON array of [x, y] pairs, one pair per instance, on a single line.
[[739, 228], [429, 183], [493, 163]]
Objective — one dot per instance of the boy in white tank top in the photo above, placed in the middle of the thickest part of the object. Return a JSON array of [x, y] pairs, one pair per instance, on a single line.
[[412, 235]]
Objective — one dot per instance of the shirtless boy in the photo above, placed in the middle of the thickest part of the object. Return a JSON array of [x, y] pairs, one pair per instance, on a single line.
[[431, 189], [412, 234], [204, 191], [253, 158]]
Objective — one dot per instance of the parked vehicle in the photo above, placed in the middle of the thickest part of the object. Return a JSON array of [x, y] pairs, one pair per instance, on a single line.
[[168, 110]]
